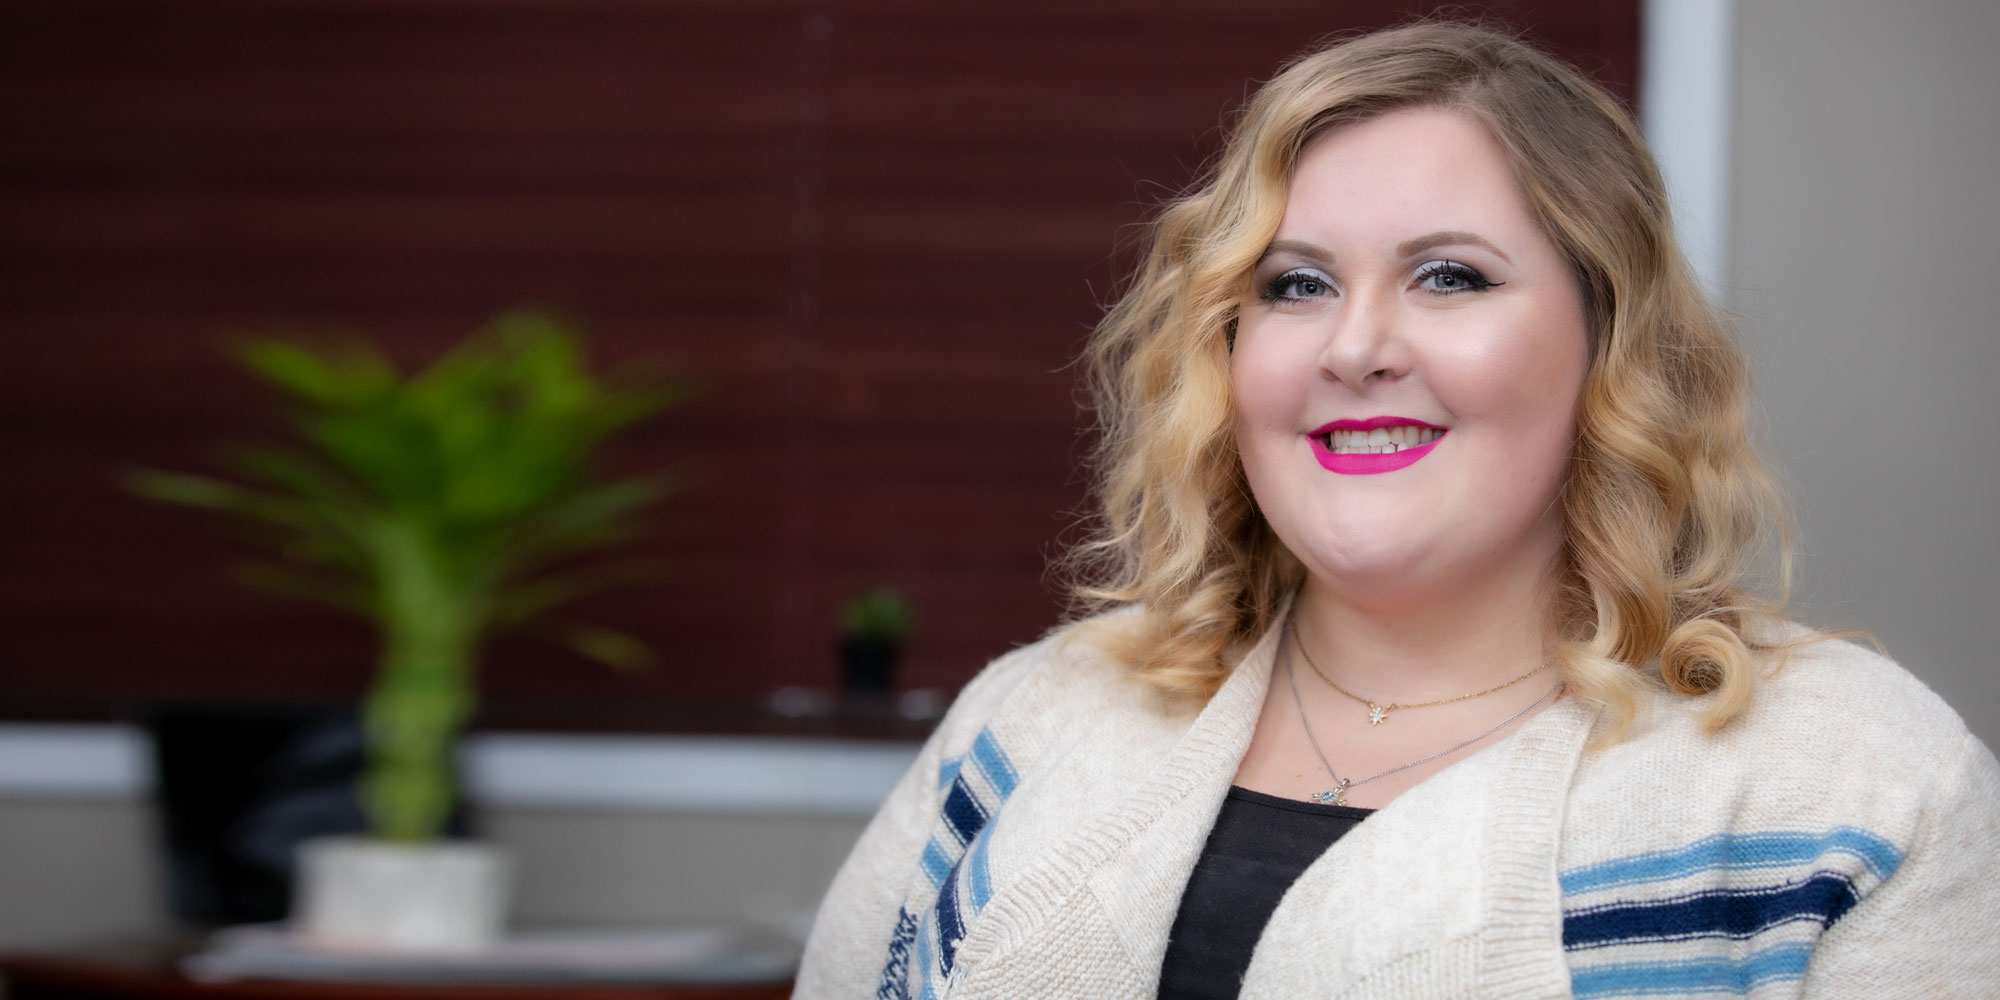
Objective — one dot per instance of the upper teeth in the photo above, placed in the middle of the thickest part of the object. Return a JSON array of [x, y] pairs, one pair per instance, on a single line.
[[1381, 439]]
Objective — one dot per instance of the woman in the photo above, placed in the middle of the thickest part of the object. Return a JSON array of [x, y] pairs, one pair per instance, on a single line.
[[1433, 671]]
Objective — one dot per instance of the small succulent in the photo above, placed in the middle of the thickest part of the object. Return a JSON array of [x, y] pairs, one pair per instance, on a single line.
[[878, 614]]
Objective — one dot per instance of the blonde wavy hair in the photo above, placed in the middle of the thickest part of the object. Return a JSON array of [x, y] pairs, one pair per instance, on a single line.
[[1666, 501]]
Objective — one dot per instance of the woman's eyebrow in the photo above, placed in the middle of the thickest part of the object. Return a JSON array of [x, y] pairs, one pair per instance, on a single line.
[[1297, 248], [1445, 238]]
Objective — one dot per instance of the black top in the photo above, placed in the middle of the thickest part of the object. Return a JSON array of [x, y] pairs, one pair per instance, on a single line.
[[1258, 848]]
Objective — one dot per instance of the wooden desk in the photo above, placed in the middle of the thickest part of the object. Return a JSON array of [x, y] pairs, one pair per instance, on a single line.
[[146, 971]]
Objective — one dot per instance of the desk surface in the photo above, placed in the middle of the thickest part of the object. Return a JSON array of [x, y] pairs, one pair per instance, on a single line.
[[145, 970]]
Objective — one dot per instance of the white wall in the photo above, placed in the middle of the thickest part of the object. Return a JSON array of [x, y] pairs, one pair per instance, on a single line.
[[79, 869], [1863, 257], [604, 830]]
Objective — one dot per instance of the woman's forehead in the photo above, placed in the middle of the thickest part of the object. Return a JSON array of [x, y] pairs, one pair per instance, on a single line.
[[1394, 178]]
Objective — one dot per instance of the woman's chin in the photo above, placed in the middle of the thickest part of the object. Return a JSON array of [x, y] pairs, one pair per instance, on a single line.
[[1370, 574]]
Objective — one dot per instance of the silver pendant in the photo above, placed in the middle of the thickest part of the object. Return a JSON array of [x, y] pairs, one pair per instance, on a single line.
[[1337, 796]]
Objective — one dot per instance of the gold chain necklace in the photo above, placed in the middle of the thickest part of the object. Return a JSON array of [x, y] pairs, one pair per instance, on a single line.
[[1337, 795], [1379, 713]]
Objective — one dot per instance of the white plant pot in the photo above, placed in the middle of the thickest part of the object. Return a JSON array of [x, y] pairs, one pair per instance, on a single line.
[[362, 893]]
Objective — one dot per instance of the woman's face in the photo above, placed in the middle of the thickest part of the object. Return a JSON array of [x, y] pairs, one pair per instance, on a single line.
[[1407, 365]]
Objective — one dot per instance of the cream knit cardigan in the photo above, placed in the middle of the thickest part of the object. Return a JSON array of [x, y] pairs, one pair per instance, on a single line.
[[1841, 840]]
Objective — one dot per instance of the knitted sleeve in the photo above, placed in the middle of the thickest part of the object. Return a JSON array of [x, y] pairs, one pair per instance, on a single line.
[[863, 934], [862, 912], [1933, 928]]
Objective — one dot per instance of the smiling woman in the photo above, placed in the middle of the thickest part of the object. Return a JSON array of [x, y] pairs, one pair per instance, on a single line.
[[1409, 292], [1416, 392]]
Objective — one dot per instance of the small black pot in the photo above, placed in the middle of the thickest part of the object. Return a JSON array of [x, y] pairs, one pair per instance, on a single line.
[[868, 665]]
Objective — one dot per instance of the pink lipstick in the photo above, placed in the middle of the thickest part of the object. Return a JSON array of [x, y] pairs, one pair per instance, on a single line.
[[1369, 463]]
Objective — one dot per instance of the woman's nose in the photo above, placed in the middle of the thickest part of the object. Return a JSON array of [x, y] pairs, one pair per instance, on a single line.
[[1364, 343]]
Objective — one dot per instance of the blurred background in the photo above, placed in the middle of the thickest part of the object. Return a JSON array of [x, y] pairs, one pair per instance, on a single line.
[[872, 234]]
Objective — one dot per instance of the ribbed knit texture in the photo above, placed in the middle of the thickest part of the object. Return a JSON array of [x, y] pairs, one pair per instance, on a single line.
[[1841, 840]]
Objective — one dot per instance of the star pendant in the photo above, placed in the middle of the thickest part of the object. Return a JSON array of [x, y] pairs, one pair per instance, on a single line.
[[1336, 796], [1376, 714]]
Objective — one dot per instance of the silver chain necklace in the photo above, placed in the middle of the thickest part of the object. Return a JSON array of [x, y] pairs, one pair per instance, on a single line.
[[1337, 795]]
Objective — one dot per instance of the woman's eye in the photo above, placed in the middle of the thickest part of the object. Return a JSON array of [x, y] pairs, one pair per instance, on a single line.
[[1294, 286], [1449, 277]]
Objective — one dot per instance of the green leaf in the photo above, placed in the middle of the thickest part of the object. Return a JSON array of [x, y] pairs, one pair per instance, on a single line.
[[290, 368], [282, 580], [326, 551], [617, 408], [395, 459], [526, 600], [348, 373], [217, 495], [617, 649], [586, 519], [338, 503]]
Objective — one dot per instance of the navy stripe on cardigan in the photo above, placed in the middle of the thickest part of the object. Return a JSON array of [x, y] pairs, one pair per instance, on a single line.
[[1732, 913]]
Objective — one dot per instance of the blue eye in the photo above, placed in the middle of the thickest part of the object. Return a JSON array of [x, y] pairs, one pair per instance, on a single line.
[[1297, 285], [1449, 277]]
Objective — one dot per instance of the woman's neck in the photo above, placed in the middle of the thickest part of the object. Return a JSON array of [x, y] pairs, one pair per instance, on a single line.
[[1439, 645]]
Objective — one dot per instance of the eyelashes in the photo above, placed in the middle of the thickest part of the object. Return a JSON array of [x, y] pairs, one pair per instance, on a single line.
[[1296, 285], [1439, 277], [1449, 277]]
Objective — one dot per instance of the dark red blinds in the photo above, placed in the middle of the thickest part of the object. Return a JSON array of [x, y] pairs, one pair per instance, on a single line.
[[874, 231]]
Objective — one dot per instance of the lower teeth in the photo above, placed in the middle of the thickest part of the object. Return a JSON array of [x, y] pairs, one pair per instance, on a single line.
[[1385, 449]]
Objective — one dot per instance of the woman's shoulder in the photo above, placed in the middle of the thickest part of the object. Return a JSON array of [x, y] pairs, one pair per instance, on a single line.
[[1830, 684], [1846, 814], [1827, 713]]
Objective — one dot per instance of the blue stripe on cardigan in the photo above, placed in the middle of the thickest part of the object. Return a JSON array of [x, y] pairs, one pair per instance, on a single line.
[[923, 970], [1698, 975], [1732, 913], [937, 867], [950, 928], [1735, 852], [993, 760], [963, 812], [955, 861], [980, 880]]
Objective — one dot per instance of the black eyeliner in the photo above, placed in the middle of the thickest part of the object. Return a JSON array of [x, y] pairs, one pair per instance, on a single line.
[[1474, 280]]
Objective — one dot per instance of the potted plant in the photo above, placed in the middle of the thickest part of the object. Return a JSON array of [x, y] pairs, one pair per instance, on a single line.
[[873, 627], [441, 505]]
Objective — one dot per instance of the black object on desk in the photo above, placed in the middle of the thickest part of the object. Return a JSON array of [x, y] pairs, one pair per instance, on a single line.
[[239, 787]]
